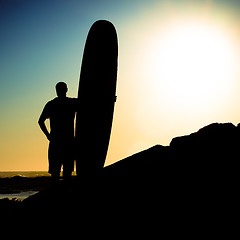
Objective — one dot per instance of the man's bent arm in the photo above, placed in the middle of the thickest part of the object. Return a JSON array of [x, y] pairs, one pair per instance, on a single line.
[[43, 127]]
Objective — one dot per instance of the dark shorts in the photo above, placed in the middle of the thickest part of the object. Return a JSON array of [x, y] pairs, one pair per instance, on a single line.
[[61, 154]]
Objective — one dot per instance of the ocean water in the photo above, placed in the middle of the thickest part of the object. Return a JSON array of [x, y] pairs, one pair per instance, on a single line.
[[24, 174], [27, 174], [8, 191], [19, 196], [22, 194]]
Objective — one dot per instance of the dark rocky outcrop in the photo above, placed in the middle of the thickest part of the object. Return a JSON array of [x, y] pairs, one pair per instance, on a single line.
[[195, 177]]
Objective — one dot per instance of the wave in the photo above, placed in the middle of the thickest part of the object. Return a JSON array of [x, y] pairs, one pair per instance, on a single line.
[[19, 196]]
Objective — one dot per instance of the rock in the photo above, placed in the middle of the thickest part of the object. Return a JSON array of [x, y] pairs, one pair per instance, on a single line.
[[196, 174]]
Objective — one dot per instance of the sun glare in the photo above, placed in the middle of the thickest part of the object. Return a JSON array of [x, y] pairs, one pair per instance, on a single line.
[[195, 62], [190, 69]]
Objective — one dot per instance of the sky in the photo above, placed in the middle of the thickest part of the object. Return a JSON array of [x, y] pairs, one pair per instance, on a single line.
[[178, 70]]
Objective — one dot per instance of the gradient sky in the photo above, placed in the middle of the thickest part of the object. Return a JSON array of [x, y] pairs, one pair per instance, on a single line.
[[42, 43]]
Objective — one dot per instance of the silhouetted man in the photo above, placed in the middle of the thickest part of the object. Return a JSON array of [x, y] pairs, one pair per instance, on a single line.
[[61, 113]]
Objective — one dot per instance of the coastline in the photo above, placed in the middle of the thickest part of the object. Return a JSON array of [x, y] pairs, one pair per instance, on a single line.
[[201, 168], [20, 187], [18, 196], [10, 174]]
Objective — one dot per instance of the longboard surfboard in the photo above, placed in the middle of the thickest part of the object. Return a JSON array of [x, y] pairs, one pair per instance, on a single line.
[[96, 94]]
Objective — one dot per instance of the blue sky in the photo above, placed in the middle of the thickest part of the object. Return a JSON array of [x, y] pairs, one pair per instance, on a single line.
[[45, 39]]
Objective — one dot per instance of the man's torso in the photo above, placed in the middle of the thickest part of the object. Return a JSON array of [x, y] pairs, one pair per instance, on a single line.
[[61, 112]]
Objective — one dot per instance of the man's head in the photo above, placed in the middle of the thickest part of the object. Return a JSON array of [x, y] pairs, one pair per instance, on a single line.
[[61, 89]]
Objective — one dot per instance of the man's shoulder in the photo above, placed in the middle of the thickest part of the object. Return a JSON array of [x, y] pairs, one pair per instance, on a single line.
[[56, 102], [51, 103], [72, 100]]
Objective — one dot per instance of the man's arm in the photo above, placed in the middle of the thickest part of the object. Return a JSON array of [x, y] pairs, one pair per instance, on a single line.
[[42, 125]]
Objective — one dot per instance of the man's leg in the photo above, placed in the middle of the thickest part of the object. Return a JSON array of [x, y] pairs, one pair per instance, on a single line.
[[68, 167], [67, 178], [55, 178], [54, 163]]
